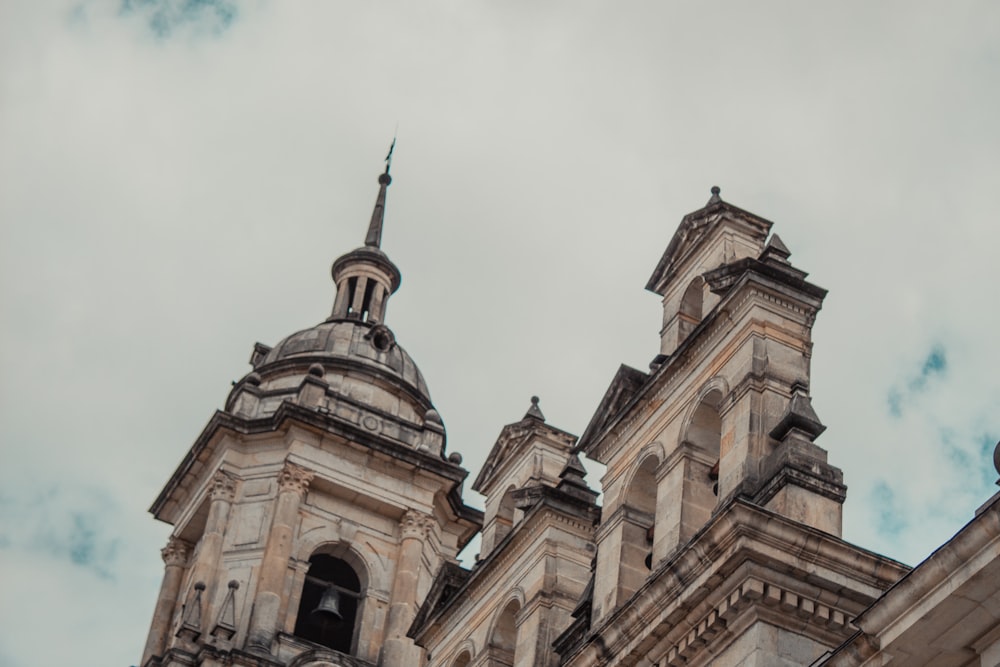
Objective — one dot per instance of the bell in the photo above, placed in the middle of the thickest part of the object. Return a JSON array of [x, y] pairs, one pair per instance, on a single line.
[[328, 608]]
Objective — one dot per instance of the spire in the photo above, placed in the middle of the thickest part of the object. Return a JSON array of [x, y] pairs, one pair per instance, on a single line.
[[374, 238], [365, 277]]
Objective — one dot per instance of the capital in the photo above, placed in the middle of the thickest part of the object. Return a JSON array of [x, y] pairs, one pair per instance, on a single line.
[[294, 478], [415, 524], [222, 487], [175, 553]]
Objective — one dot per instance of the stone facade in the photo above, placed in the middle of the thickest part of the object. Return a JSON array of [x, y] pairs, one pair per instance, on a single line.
[[318, 518]]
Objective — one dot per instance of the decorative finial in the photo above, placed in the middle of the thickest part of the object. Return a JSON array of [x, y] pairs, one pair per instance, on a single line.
[[534, 412], [715, 198], [384, 177], [996, 460]]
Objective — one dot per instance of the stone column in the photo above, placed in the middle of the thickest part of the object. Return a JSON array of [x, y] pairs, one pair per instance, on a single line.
[[175, 556], [398, 650], [292, 484], [209, 556]]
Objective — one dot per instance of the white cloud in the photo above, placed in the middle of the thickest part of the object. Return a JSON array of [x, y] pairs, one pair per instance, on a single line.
[[168, 200]]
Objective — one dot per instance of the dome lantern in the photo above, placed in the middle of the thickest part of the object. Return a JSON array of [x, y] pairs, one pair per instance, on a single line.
[[366, 277]]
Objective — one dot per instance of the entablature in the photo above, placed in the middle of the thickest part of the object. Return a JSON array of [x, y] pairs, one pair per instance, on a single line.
[[762, 558]]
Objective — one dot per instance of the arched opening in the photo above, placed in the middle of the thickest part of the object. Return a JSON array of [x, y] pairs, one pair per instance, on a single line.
[[462, 660], [328, 610], [506, 514], [639, 525], [690, 312], [705, 434], [503, 640]]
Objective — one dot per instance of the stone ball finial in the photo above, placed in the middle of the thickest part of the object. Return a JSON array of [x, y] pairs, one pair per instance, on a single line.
[[317, 370], [996, 459], [432, 415], [254, 379], [455, 458], [384, 178], [716, 190], [534, 400]]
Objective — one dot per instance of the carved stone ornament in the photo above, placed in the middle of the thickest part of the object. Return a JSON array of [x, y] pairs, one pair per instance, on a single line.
[[415, 524], [175, 553], [222, 487], [294, 478]]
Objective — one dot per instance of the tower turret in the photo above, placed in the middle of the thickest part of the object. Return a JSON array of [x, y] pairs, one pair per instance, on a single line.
[[312, 513], [365, 277]]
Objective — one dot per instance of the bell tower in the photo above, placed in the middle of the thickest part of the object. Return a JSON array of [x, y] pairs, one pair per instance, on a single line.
[[719, 508], [311, 514]]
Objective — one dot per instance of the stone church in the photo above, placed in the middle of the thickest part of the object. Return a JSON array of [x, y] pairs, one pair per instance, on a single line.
[[318, 518]]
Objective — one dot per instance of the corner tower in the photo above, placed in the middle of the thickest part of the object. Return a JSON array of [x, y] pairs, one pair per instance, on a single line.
[[311, 514], [720, 529]]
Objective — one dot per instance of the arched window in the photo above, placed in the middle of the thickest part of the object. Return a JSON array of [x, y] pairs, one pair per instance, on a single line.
[[506, 515], [640, 499], [690, 312], [705, 433], [328, 610], [503, 640], [462, 660]]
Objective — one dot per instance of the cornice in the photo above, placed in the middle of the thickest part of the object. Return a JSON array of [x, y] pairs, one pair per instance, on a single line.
[[716, 325], [739, 533], [488, 571], [290, 413], [301, 364]]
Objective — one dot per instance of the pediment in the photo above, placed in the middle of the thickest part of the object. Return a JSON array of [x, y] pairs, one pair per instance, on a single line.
[[447, 583], [694, 229], [624, 386], [512, 436]]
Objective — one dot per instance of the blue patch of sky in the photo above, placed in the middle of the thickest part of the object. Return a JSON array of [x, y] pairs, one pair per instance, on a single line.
[[984, 456], [934, 365], [164, 18], [72, 527], [889, 520]]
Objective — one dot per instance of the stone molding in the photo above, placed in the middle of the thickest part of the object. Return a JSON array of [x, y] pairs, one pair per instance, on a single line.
[[416, 524], [222, 487], [295, 478], [716, 325], [496, 566], [752, 591], [176, 552], [738, 532], [623, 514]]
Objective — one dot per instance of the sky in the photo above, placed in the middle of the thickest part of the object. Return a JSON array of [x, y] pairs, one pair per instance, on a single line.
[[176, 177]]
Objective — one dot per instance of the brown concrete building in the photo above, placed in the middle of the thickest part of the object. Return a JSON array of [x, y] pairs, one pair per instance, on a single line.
[[318, 518]]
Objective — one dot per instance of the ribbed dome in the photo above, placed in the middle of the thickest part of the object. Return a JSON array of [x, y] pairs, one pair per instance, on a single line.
[[348, 368], [347, 343]]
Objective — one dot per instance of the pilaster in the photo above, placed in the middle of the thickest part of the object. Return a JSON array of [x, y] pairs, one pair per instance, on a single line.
[[399, 650], [175, 556], [293, 481]]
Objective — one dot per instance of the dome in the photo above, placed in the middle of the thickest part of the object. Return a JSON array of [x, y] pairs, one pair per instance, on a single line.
[[353, 344], [356, 370], [348, 368]]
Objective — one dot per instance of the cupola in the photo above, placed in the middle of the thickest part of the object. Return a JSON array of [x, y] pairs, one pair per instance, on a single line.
[[365, 277]]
